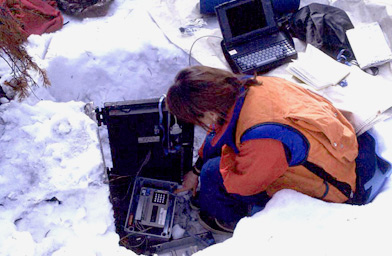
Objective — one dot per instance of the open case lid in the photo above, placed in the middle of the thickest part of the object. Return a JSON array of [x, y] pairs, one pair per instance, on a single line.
[[145, 140]]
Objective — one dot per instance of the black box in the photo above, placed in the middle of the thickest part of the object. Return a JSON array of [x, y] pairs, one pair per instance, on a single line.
[[145, 141]]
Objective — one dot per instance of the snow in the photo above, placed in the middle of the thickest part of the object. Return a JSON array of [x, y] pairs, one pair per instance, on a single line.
[[54, 198]]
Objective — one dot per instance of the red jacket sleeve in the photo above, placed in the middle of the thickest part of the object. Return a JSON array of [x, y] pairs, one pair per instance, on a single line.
[[258, 163]]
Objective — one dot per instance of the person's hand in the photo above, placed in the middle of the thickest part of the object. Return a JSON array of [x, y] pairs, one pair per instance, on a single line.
[[190, 182]]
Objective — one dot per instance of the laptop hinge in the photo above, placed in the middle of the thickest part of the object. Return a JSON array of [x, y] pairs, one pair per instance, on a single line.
[[244, 40]]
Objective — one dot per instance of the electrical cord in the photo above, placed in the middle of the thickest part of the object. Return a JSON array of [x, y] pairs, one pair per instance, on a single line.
[[142, 238], [190, 50], [160, 110], [146, 160]]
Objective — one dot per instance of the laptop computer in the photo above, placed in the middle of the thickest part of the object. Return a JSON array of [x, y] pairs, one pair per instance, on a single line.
[[252, 41]]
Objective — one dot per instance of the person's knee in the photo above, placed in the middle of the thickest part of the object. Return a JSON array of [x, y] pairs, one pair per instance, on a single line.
[[210, 170]]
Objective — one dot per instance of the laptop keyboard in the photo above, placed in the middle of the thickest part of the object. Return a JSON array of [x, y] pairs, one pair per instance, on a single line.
[[275, 52]]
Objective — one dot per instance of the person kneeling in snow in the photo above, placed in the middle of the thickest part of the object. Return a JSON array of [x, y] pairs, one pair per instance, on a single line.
[[266, 134]]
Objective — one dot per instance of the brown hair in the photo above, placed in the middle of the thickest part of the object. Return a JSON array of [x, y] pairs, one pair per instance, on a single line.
[[199, 89]]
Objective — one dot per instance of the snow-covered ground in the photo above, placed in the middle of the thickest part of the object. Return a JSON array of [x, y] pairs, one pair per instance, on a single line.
[[53, 195]]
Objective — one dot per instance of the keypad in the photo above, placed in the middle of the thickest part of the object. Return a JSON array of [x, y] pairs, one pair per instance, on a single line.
[[159, 198]]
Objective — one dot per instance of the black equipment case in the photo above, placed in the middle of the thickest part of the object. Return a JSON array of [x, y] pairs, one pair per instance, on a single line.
[[145, 141]]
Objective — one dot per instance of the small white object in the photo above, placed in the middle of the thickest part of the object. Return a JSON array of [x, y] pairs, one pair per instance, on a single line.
[[178, 232], [4, 100], [175, 129]]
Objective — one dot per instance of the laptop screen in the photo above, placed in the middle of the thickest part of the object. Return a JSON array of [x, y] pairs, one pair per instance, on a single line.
[[244, 19]]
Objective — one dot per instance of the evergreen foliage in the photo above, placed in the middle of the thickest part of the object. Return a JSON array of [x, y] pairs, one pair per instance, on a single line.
[[14, 53]]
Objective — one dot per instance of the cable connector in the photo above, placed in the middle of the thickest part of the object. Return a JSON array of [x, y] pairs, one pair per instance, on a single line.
[[175, 129]]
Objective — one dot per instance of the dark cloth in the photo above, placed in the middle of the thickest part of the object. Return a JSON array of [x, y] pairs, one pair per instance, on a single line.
[[324, 27], [34, 16], [372, 171]]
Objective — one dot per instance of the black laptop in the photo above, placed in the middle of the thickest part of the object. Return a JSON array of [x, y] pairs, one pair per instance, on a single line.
[[252, 41]]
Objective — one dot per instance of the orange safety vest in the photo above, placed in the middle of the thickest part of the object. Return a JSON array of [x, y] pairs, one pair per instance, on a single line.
[[330, 139]]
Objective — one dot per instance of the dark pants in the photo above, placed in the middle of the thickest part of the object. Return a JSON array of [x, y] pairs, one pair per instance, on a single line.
[[217, 202], [372, 171]]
